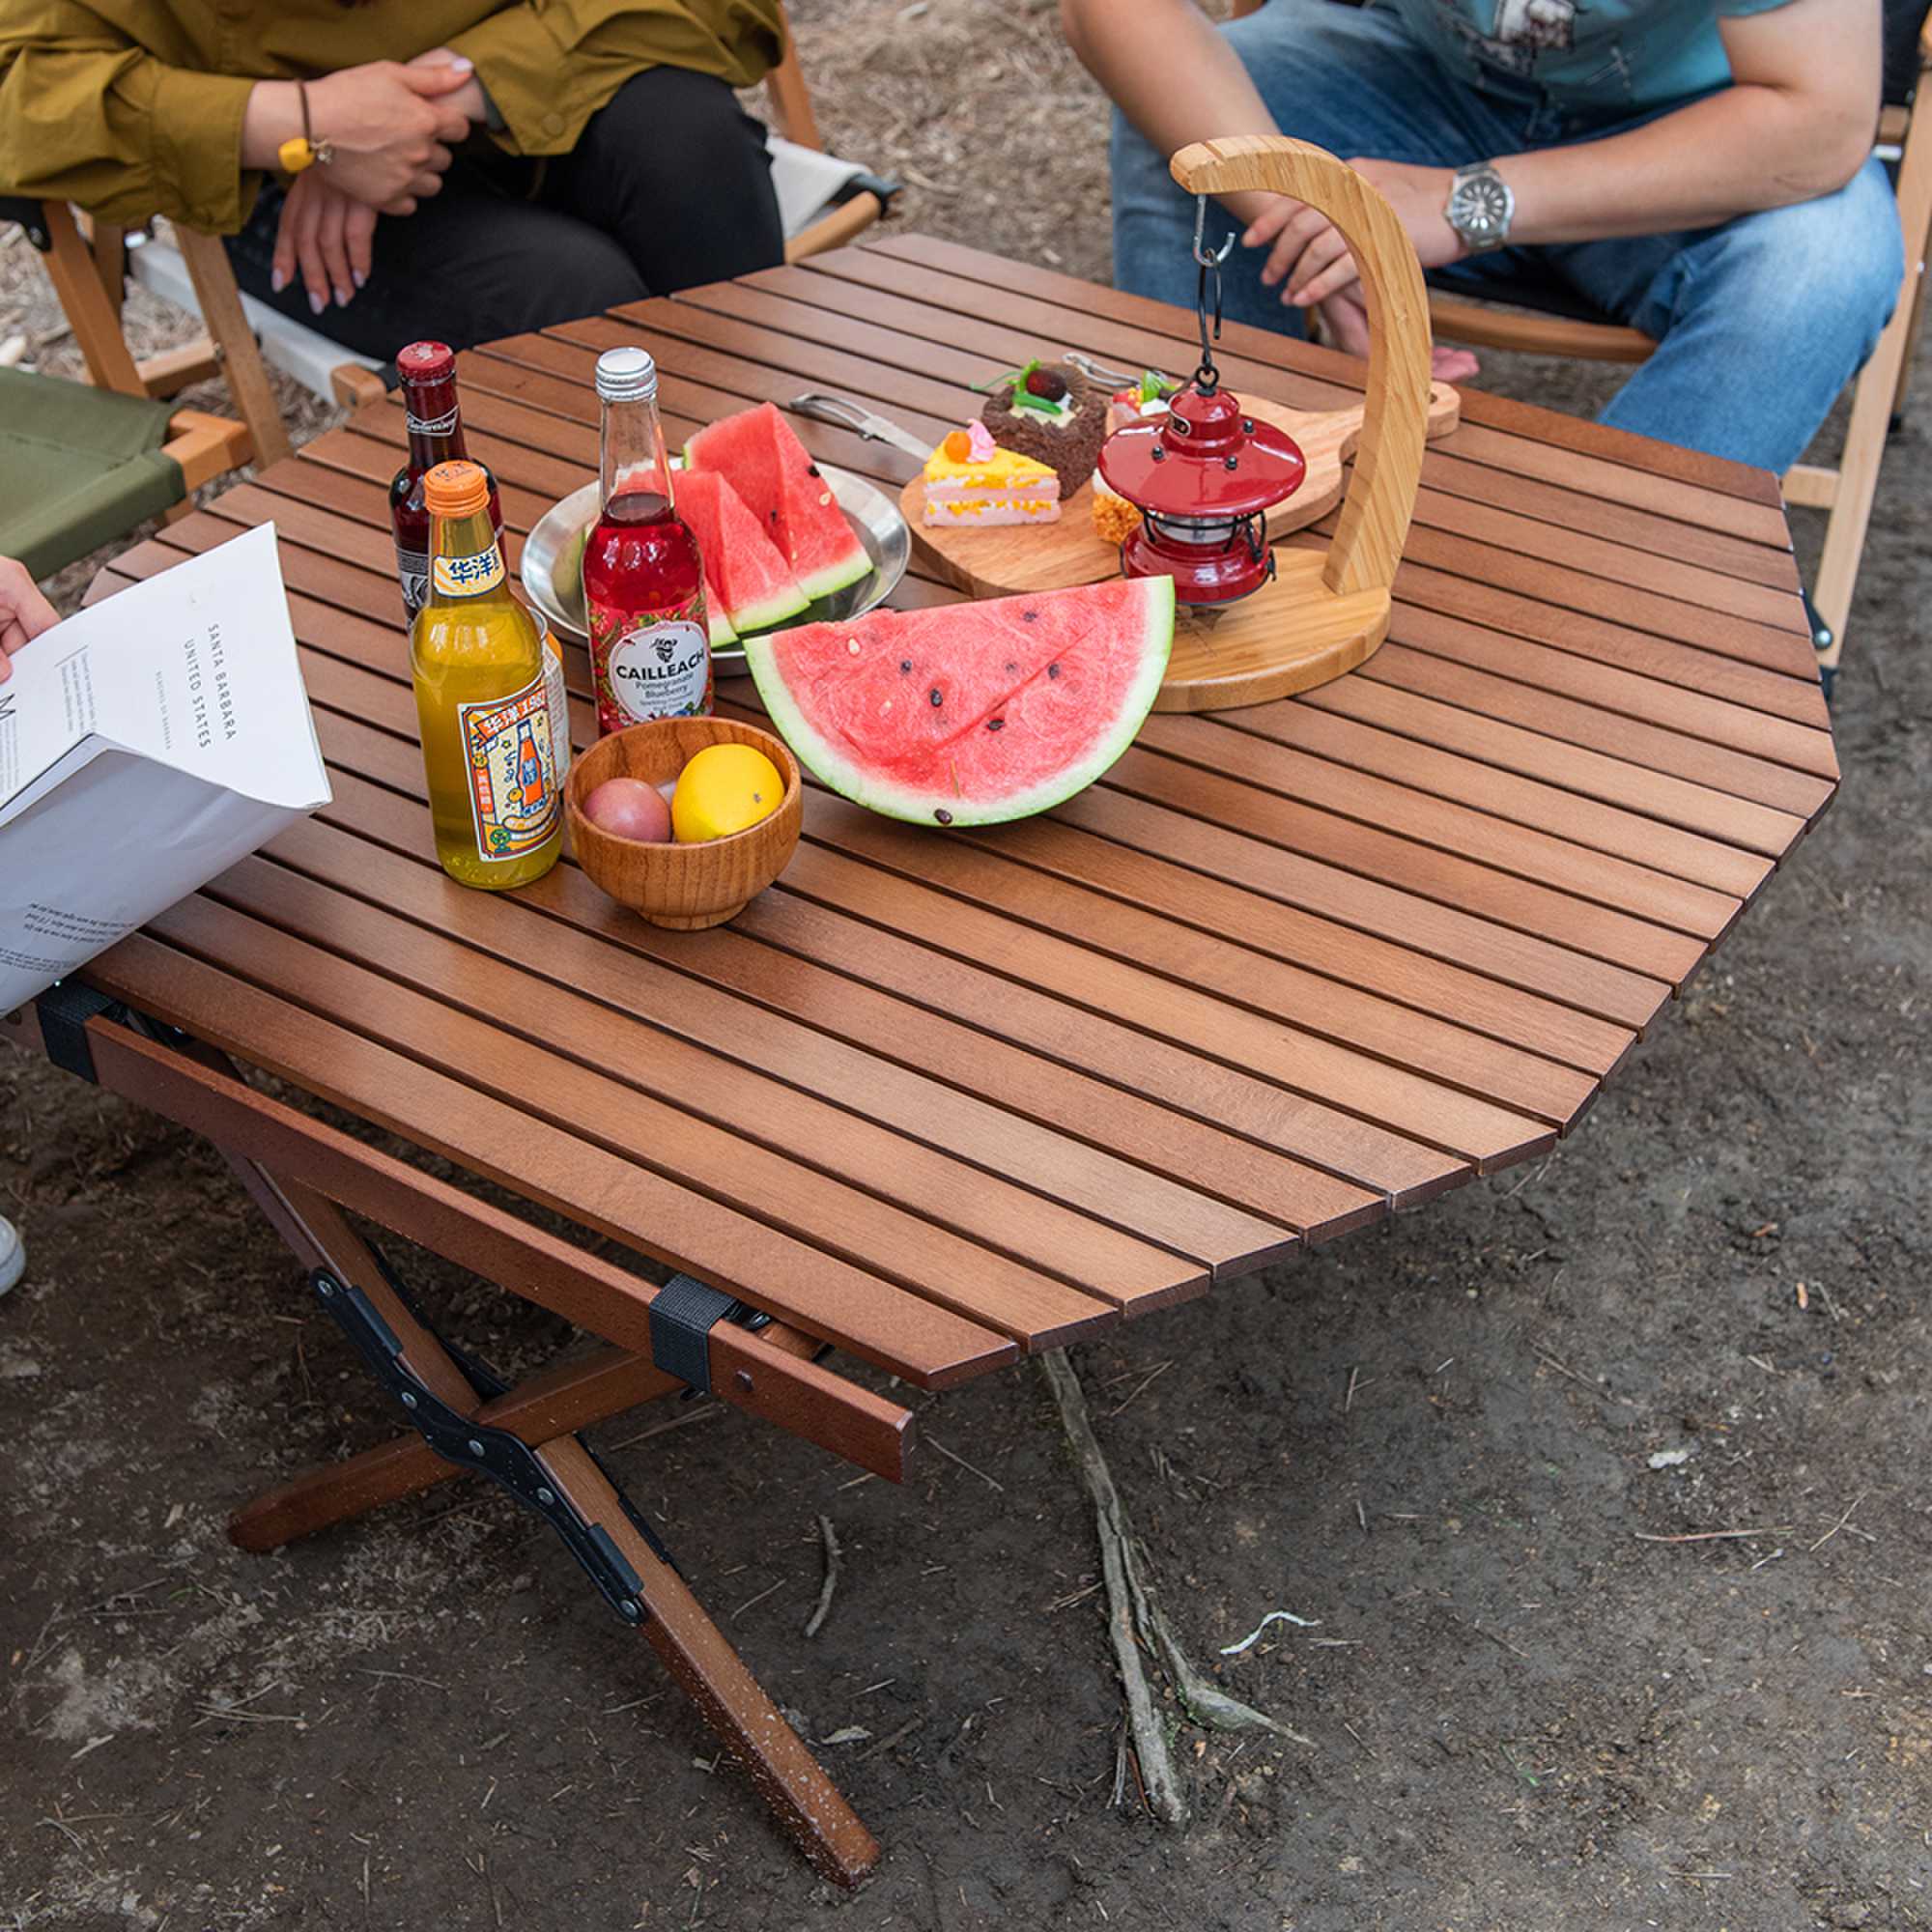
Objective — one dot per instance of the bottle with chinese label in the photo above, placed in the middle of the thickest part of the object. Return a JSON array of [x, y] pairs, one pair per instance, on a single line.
[[643, 579], [435, 425], [490, 698]]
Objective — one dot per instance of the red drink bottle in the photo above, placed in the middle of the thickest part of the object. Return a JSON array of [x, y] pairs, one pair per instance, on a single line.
[[643, 578], [435, 423]]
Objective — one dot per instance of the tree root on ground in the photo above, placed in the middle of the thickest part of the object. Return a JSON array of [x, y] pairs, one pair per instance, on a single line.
[[1135, 1622]]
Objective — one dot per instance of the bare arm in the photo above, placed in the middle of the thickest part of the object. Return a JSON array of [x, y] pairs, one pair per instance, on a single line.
[[1170, 73], [1795, 122]]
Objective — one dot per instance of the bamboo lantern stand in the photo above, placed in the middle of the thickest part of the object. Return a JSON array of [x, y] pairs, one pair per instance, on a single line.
[[1326, 611]]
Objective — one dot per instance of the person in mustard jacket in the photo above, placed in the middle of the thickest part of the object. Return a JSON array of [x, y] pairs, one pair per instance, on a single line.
[[461, 169]]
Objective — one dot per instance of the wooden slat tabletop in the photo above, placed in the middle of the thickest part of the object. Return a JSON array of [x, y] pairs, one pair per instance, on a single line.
[[945, 1097]]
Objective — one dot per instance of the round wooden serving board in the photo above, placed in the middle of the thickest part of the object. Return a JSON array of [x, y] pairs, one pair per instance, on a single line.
[[1294, 634], [1012, 557]]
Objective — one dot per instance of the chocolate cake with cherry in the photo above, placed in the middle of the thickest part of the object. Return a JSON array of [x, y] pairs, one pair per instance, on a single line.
[[1050, 411]]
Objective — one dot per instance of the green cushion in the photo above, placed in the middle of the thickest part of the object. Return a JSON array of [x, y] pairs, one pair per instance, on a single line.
[[79, 467]]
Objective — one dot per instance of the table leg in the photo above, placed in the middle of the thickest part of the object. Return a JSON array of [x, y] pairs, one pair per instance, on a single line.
[[556, 1402], [698, 1657]]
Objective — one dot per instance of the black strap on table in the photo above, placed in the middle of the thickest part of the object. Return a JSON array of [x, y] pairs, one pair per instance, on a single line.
[[63, 1011], [683, 1316]]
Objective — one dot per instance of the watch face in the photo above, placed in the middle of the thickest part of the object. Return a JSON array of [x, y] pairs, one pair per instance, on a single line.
[[1481, 208]]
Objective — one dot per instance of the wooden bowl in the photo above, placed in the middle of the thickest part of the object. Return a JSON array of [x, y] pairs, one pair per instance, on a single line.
[[684, 887]]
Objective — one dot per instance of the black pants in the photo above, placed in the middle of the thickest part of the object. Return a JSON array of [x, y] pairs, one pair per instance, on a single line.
[[670, 186]]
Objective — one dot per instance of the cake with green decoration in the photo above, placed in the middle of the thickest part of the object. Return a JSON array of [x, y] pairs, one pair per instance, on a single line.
[[1050, 411], [1139, 401]]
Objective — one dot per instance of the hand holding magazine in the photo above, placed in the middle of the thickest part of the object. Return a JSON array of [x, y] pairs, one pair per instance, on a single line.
[[146, 745]]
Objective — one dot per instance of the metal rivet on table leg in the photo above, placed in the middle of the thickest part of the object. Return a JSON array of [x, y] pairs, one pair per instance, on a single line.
[[630, 1611], [409, 1399], [475, 1447], [546, 1498]]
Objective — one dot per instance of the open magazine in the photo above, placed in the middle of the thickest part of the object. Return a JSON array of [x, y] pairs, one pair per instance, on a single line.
[[146, 745]]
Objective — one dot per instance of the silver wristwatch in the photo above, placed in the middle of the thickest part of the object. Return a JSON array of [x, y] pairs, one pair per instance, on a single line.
[[1481, 206]]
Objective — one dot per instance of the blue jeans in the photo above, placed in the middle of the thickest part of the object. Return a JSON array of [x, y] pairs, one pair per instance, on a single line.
[[1760, 323]]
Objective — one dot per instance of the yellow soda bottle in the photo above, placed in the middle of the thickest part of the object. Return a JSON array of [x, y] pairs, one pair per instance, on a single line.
[[490, 698]]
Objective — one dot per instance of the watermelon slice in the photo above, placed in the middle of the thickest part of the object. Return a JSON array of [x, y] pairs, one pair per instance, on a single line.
[[759, 454], [971, 713], [748, 585]]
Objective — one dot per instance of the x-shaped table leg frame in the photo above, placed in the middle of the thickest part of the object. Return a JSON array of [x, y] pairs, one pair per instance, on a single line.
[[525, 1437]]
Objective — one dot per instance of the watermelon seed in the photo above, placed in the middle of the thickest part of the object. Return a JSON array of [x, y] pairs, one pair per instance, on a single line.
[[936, 698], [996, 723], [1029, 616], [1013, 668], [811, 470], [905, 665], [1053, 670], [940, 812]]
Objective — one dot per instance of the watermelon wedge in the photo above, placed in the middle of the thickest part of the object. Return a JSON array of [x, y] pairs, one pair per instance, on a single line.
[[759, 454], [748, 587], [971, 713]]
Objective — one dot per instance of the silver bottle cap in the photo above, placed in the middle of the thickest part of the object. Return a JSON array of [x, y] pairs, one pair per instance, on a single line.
[[626, 376]]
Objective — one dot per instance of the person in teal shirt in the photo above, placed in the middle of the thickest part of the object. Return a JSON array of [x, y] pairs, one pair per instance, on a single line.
[[1699, 169]]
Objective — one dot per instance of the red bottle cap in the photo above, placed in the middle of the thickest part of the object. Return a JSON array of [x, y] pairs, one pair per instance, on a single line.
[[426, 362]]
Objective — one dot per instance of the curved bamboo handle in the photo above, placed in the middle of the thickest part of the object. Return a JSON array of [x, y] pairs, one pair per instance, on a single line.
[[1388, 461]]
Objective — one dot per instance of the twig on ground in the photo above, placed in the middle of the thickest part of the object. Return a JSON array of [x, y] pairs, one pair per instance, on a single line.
[[758, 1598], [1548, 1360], [1159, 1370], [1494, 1638], [885, 1743], [1715, 1535], [830, 1538], [1272, 1617], [1841, 1521], [1135, 1617], [933, 1443]]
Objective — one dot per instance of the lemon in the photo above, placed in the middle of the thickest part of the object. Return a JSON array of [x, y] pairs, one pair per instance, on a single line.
[[724, 789]]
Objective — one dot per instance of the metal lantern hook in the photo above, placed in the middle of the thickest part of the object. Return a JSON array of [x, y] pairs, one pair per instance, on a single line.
[[1209, 258], [1207, 378]]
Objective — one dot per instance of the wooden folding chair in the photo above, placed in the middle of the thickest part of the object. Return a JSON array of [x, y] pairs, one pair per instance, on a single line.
[[1847, 489], [858, 201], [87, 271]]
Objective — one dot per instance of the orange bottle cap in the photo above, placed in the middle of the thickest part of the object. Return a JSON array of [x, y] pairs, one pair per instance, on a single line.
[[455, 490]]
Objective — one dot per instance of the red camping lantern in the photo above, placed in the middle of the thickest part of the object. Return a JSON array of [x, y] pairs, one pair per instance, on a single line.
[[1204, 477]]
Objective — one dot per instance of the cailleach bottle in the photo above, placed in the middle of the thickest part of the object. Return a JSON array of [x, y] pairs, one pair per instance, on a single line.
[[643, 578], [435, 425]]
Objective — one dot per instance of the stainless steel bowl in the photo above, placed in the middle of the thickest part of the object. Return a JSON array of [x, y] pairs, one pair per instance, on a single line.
[[558, 592]]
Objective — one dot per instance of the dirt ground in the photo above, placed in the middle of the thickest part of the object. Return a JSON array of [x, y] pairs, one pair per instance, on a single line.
[[1433, 1442]]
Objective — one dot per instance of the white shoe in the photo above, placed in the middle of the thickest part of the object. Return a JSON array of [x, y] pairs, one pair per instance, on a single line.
[[13, 1255]]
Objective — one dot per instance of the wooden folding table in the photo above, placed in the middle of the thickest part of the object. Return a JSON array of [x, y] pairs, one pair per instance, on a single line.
[[939, 1100]]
